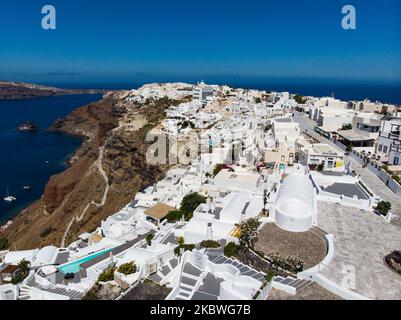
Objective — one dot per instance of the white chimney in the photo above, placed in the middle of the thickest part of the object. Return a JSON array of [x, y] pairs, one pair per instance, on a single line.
[[209, 232]]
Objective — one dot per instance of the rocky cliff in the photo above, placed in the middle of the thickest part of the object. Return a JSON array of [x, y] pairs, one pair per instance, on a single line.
[[103, 176]]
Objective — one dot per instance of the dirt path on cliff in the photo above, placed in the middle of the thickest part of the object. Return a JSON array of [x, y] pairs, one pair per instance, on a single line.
[[99, 166]]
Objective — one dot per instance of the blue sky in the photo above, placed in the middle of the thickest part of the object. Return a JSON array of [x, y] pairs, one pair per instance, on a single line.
[[133, 40]]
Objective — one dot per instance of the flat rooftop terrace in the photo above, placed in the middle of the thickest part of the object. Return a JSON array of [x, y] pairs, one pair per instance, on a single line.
[[347, 189]]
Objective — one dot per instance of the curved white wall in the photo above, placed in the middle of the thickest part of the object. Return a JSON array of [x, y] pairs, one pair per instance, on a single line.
[[294, 209]]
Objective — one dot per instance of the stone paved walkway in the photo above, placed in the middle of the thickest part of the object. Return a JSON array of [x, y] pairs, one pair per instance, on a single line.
[[361, 241]]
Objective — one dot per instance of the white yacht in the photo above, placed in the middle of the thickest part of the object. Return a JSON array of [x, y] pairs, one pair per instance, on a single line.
[[9, 198]]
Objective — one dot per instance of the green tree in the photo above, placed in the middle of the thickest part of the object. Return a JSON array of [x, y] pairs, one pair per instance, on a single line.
[[249, 231], [258, 100], [384, 207], [127, 268], [174, 216], [190, 203], [299, 99], [23, 268], [265, 197], [210, 244]]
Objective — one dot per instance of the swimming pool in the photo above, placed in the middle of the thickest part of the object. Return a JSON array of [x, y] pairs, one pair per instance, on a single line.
[[74, 266]]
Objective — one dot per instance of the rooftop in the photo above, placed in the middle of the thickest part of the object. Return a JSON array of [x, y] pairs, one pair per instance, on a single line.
[[159, 211], [348, 190], [352, 135]]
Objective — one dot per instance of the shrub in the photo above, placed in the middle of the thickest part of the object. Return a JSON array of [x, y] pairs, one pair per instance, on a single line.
[[210, 244], [320, 167], [91, 295], [249, 231], [347, 127], [107, 275], [299, 99], [349, 148], [190, 203], [230, 249], [186, 247], [384, 207], [270, 275], [4, 244], [174, 216], [127, 268], [181, 241], [290, 264]]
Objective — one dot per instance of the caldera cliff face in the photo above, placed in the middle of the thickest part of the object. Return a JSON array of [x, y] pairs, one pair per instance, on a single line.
[[103, 176]]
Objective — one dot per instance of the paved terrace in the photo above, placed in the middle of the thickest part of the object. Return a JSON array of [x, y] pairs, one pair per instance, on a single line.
[[361, 240], [371, 180]]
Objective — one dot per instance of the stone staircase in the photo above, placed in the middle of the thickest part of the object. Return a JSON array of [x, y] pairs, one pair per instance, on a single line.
[[190, 280], [24, 293], [244, 269], [25, 290], [164, 271], [297, 284]]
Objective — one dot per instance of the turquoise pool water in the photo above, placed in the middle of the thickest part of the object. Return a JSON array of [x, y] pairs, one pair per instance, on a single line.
[[74, 266]]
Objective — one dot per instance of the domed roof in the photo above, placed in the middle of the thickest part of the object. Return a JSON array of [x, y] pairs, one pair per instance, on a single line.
[[294, 208]]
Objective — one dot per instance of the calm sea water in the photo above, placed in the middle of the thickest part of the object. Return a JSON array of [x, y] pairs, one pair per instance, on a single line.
[[24, 156]]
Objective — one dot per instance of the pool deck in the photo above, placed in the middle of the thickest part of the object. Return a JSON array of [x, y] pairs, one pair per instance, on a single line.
[[115, 251]]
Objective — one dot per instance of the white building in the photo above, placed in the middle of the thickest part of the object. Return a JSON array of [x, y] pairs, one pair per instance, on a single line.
[[295, 208], [389, 141], [364, 132], [321, 153]]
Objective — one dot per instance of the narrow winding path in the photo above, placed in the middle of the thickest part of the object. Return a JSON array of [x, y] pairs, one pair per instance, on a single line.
[[99, 167]]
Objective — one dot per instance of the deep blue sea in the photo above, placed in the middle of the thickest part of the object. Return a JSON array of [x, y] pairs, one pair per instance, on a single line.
[[24, 156]]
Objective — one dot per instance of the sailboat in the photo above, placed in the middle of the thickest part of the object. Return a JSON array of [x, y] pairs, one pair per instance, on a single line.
[[9, 198]]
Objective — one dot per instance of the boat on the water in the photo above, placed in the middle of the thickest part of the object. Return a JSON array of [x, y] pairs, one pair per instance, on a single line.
[[27, 188], [28, 127], [9, 198]]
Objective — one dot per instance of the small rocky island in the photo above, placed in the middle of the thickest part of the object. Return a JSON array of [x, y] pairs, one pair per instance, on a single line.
[[27, 127]]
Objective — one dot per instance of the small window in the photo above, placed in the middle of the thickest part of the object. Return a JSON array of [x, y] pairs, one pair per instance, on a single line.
[[385, 149], [396, 161], [380, 148]]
